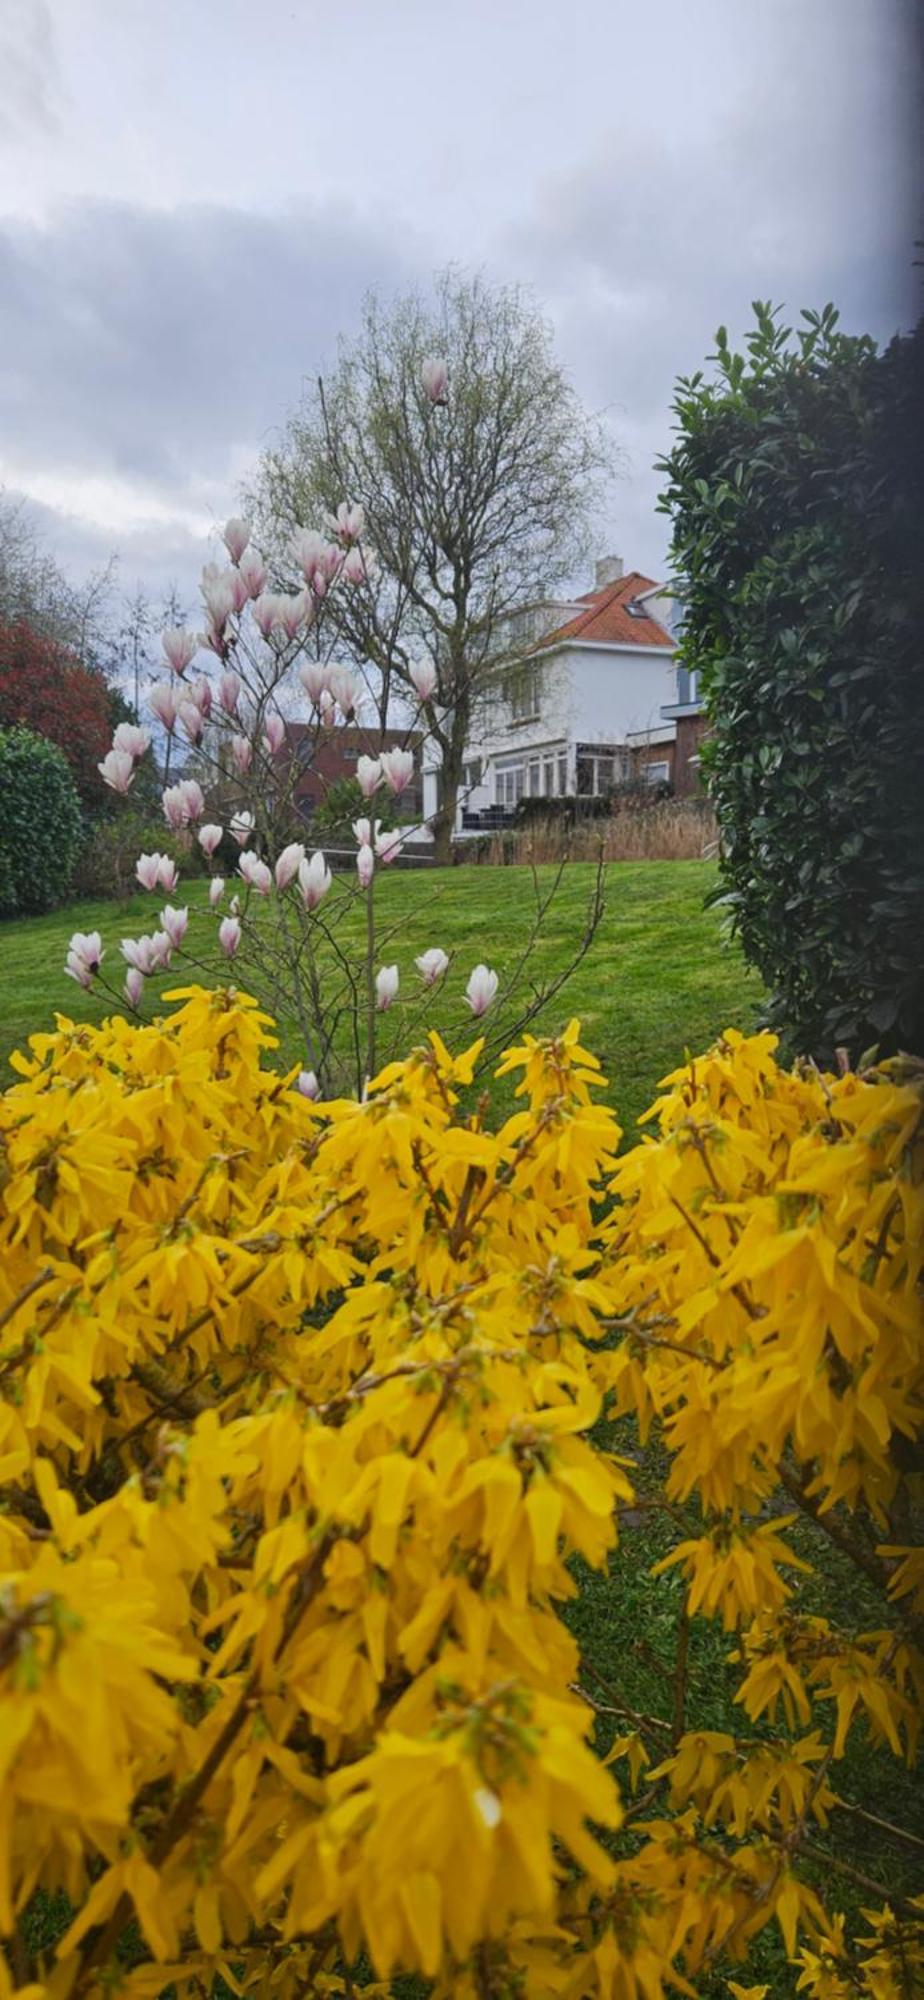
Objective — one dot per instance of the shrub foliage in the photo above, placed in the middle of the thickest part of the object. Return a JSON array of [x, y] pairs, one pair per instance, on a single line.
[[796, 488], [298, 1442], [40, 823]]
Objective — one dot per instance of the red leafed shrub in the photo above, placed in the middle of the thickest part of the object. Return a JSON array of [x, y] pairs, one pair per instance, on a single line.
[[46, 688]]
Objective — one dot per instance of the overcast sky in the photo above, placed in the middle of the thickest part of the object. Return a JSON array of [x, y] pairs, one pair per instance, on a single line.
[[194, 196]]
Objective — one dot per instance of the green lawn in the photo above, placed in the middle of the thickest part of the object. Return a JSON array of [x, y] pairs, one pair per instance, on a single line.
[[659, 978]]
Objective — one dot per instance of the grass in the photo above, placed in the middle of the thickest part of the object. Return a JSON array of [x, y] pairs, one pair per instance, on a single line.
[[658, 980]]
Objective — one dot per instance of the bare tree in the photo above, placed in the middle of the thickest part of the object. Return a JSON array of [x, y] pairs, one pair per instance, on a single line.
[[451, 422], [35, 591]]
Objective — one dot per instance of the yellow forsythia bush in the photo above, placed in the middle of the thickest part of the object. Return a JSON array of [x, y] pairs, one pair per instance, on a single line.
[[296, 1444]]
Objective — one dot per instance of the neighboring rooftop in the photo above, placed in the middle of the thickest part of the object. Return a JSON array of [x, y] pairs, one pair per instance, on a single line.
[[614, 616]]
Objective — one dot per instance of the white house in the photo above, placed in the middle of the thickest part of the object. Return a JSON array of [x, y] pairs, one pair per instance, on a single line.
[[582, 711]]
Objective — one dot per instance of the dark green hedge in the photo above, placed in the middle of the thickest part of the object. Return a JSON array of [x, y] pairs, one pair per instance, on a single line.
[[796, 490], [40, 823]]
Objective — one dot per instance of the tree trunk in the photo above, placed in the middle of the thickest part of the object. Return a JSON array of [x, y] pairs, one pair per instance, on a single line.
[[453, 752]]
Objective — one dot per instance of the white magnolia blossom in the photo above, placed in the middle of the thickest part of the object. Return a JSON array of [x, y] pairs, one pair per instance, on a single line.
[[242, 826], [210, 837], [229, 692], [386, 987], [180, 647], [365, 866], [364, 832], [368, 775], [288, 864], [308, 1084], [255, 872], [423, 675], [388, 845], [134, 985], [434, 379], [229, 935], [274, 733], [183, 802], [175, 923], [313, 677], [481, 989], [397, 769], [236, 535], [252, 569], [84, 956], [163, 702], [314, 879], [216, 890], [348, 522], [432, 965], [117, 769], [131, 740]]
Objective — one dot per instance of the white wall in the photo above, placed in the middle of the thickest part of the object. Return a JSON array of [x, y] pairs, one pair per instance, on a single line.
[[616, 693]]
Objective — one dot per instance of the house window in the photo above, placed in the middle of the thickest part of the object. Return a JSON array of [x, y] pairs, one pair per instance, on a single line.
[[563, 776], [508, 785], [523, 692], [598, 770], [548, 777], [535, 779], [687, 685], [471, 774], [658, 774]]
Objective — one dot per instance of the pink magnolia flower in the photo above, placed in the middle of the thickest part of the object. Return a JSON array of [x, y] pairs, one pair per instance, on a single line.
[[242, 826], [147, 869], [175, 923], [131, 740], [242, 752], [314, 879], [183, 802], [220, 594], [163, 702], [229, 935], [364, 832], [117, 769], [192, 720], [365, 866], [481, 989], [386, 987], [288, 864], [229, 692], [216, 890], [209, 838], [274, 734], [397, 769], [255, 872], [308, 1084], [238, 590], [368, 775], [313, 677], [355, 566], [343, 688], [423, 675], [294, 612], [309, 550], [180, 647], [253, 571], [236, 535], [432, 964], [388, 846], [201, 694], [348, 522], [266, 612], [434, 379], [327, 709], [84, 955], [134, 985], [147, 953]]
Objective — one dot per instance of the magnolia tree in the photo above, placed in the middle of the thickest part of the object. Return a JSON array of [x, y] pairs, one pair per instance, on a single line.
[[452, 421], [310, 938]]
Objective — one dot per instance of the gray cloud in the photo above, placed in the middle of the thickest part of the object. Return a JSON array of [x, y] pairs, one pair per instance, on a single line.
[[29, 79]]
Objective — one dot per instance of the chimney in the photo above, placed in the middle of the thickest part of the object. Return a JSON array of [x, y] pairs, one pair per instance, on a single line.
[[607, 569]]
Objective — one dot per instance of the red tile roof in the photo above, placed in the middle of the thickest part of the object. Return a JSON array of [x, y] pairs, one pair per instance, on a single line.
[[607, 619]]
